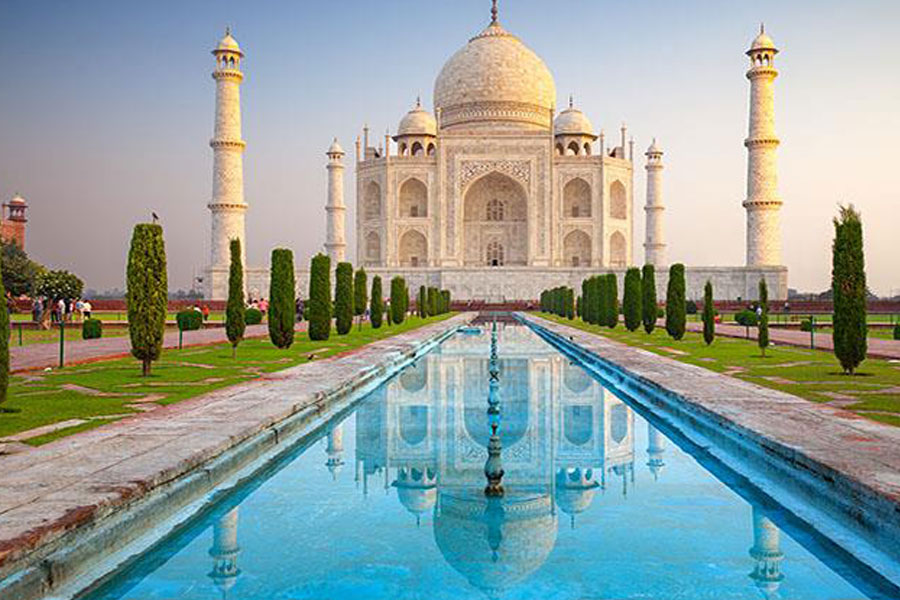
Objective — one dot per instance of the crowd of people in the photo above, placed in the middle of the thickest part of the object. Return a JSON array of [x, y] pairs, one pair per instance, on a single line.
[[47, 311]]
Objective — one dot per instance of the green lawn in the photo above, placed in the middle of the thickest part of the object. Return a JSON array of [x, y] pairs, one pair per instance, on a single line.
[[811, 374], [109, 390]]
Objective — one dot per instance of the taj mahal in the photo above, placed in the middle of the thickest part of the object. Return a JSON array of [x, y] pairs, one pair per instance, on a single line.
[[494, 195]]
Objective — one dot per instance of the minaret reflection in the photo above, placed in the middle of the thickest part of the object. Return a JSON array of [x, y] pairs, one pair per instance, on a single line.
[[656, 447], [766, 551], [224, 551], [334, 448]]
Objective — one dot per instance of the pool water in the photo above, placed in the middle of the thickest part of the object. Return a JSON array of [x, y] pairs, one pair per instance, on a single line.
[[387, 502]]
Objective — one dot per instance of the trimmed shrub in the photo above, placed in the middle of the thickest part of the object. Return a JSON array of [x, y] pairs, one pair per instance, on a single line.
[[747, 318], [897, 331], [848, 285], [147, 292], [570, 303], [235, 318], [763, 327], [398, 293], [445, 304], [675, 304], [632, 299], [319, 298], [649, 309], [253, 316], [421, 303], [189, 319], [431, 301], [691, 308], [709, 314], [360, 294], [91, 329], [376, 303], [282, 298], [612, 300], [343, 298], [806, 325]]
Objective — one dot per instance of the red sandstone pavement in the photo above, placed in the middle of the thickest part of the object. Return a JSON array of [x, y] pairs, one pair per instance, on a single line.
[[878, 348], [40, 356]]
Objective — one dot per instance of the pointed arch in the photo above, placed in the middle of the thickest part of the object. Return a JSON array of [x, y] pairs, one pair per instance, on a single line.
[[373, 249], [413, 198], [372, 201], [618, 200], [577, 199], [618, 253], [413, 249], [577, 249]]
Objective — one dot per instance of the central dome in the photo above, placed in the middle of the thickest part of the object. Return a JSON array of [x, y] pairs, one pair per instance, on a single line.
[[495, 81]]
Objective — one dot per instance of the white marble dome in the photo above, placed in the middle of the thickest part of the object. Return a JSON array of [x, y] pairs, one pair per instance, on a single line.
[[495, 81], [762, 42], [418, 121], [228, 43], [573, 122]]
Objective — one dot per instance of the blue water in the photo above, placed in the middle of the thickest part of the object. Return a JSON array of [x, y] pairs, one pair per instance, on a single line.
[[387, 503]]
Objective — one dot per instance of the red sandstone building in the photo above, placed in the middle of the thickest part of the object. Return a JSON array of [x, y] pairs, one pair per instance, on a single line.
[[12, 225]]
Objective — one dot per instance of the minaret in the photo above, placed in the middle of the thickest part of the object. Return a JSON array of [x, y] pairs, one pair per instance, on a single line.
[[13, 228], [224, 552], [227, 205], [335, 242], [654, 244], [656, 448], [335, 450], [766, 551], [763, 204]]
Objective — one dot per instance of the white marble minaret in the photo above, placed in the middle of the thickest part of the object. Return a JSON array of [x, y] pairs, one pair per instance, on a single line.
[[766, 551], [227, 205], [763, 204], [654, 242], [335, 210]]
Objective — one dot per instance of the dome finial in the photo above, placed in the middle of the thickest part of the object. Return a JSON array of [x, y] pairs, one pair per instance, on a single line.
[[419, 101], [571, 100], [762, 27], [494, 20], [228, 30]]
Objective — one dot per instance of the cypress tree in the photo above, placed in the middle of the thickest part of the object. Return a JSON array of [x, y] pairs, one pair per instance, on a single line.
[[763, 325], [612, 304], [676, 309], [360, 295], [319, 298], [282, 298], [570, 303], [343, 298], [586, 300], [4, 348], [432, 301], [445, 304], [147, 292], [376, 303], [578, 306], [601, 318], [848, 284], [631, 300], [235, 319], [648, 298], [420, 302], [709, 315], [397, 293]]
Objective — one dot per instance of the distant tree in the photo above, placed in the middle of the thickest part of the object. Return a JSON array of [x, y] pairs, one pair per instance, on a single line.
[[578, 306], [59, 285], [631, 299], [587, 300], [612, 300], [319, 302], [235, 311], [4, 347], [20, 273], [376, 303], [675, 305], [432, 301], [421, 303], [709, 314], [360, 295], [343, 298], [763, 325], [397, 293], [848, 285], [602, 299], [570, 303], [282, 298], [648, 298], [146, 294], [445, 304]]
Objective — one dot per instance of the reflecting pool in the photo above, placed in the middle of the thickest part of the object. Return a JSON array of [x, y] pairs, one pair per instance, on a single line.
[[388, 502]]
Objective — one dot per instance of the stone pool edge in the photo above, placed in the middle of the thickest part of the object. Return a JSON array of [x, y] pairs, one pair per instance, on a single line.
[[107, 509], [800, 446]]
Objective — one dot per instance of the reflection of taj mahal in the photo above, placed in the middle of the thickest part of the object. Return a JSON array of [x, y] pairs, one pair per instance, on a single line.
[[494, 194]]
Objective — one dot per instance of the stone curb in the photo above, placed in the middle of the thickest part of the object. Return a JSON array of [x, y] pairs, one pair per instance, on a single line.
[[66, 503]]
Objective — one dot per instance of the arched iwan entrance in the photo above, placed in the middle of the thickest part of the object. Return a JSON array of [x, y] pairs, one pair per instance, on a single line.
[[495, 231], [413, 249], [618, 255], [577, 249]]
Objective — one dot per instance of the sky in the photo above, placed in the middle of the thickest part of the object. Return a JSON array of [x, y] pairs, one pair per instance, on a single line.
[[106, 111]]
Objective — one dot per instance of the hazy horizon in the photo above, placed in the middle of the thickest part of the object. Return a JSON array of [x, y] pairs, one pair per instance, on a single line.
[[107, 110]]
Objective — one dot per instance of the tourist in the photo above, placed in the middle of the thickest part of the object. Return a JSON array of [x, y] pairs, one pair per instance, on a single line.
[[68, 307], [263, 305], [298, 309], [205, 312], [37, 309], [79, 309], [87, 308]]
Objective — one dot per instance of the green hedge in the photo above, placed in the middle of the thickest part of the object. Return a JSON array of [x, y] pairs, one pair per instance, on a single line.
[[91, 329], [188, 319], [806, 325], [253, 316], [747, 318]]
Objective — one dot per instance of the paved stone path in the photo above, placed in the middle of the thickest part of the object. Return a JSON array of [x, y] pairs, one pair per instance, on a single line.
[[77, 350], [878, 348], [66, 487], [849, 464]]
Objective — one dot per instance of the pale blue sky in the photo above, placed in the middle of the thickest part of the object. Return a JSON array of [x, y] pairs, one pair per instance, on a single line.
[[106, 112]]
